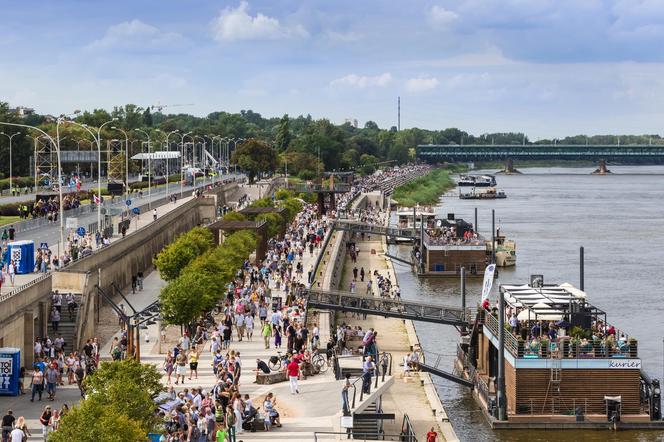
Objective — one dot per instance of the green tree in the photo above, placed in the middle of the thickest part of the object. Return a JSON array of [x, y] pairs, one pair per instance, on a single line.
[[253, 157], [119, 405], [181, 300], [94, 422], [175, 257], [147, 117], [283, 137]]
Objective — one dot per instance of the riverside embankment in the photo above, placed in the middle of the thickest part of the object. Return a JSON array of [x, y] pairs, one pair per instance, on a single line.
[[412, 395]]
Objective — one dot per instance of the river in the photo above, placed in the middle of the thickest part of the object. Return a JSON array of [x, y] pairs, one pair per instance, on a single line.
[[551, 212]]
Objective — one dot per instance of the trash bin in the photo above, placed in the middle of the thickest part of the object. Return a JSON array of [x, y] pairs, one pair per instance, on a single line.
[[579, 414], [613, 408]]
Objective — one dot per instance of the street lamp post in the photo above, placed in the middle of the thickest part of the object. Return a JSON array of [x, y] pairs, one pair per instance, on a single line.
[[126, 160], [168, 149], [97, 138], [182, 162], [10, 157], [149, 168]]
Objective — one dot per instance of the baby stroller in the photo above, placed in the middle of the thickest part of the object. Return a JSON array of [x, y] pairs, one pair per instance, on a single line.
[[250, 420]]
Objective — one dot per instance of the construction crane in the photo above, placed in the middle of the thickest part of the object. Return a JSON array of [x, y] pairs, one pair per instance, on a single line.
[[160, 106]]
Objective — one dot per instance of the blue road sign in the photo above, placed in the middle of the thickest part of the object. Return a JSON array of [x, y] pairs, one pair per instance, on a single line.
[[80, 231], [128, 202], [136, 211]]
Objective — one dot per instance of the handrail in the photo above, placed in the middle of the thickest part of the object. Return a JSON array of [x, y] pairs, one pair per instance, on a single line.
[[363, 436], [407, 430], [18, 289]]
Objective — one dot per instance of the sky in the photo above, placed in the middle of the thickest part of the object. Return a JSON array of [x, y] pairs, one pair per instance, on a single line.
[[549, 68]]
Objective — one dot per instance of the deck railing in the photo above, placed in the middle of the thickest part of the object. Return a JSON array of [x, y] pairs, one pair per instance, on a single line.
[[565, 346]]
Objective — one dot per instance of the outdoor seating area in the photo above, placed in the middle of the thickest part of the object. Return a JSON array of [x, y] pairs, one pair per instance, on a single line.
[[556, 321]]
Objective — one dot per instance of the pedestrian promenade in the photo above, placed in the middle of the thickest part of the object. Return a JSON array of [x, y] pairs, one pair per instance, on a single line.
[[138, 222]]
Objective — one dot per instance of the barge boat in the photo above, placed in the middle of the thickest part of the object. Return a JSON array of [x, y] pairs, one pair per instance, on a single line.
[[449, 244], [563, 364]]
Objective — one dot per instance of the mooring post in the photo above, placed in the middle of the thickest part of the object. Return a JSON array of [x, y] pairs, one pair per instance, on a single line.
[[581, 269], [476, 227], [422, 242], [493, 236], [463, 291], [500, 381]]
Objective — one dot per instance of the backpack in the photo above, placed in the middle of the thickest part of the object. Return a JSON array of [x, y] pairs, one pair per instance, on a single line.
[[116, 353]]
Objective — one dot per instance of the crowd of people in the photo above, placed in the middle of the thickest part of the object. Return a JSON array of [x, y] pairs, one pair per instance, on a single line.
[[250, 307]]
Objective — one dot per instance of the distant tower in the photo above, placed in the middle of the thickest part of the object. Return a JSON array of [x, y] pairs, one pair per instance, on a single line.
[[398, 113]]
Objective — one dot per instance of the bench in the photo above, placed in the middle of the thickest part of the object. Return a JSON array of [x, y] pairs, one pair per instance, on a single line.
[[271, 378]]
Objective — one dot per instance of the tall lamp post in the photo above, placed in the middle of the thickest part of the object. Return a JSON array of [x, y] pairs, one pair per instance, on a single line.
[[168, 149], [126, 160], [200, 160], [97, 138], [234, 140], [10, 158], [182, 162], [57, 150], [149, 168]]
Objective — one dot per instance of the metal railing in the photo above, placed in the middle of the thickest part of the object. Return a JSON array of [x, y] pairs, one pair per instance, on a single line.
[[511, 343], [387, 307], [569, 347], [407, 430], [20, 288], [363, 436]]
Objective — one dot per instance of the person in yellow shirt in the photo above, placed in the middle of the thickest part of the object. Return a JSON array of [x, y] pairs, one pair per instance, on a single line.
[[193, 363]]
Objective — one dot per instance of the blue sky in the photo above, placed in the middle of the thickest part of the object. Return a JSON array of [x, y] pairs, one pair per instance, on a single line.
[[547, 67]]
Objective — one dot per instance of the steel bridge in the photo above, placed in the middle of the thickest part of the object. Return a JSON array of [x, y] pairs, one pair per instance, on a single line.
[[501, 152], [385, 307]]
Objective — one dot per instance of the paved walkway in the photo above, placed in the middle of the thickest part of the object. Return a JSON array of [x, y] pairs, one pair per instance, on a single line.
[[315, 409]]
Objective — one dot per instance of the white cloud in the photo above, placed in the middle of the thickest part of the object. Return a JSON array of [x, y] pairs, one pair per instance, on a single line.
[[421, 84], [234, 24], [362, 81], [135, 34], [441, 18]]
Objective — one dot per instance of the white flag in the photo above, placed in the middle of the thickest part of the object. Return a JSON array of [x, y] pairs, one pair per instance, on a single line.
[[488, 281]]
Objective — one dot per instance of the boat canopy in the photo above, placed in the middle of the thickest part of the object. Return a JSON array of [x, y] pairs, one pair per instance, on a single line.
[[548, 303]]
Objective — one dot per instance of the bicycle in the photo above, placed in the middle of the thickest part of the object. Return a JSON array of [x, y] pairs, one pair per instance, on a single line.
[[319, 362], [276, 362]]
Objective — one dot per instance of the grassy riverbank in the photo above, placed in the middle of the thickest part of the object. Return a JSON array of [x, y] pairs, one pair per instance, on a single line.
[[425, 190]]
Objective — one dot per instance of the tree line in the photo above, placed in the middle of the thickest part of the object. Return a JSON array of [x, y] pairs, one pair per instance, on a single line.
[[303, 145]]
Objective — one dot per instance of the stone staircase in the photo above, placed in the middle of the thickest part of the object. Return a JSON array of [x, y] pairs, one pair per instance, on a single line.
[[66, 328], [367, 429]]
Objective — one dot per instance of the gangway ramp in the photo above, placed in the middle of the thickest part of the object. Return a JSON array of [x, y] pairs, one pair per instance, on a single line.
[[385, 307]]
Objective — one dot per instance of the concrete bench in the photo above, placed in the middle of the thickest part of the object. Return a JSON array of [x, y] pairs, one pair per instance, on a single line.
[[271, 378]]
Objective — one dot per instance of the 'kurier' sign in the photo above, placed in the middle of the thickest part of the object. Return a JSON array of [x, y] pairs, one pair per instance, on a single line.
[[625, 363]]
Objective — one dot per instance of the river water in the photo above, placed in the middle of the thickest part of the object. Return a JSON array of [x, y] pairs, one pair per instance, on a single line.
[[551, 212]]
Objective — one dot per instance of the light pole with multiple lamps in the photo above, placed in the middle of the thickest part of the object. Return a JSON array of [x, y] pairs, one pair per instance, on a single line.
[[97, 138], [10, 159]]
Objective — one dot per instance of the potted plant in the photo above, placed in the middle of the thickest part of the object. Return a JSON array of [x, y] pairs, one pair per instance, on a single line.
[[575, 346], [565, 342], [545, 348], [633, 348], [598, 347]]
